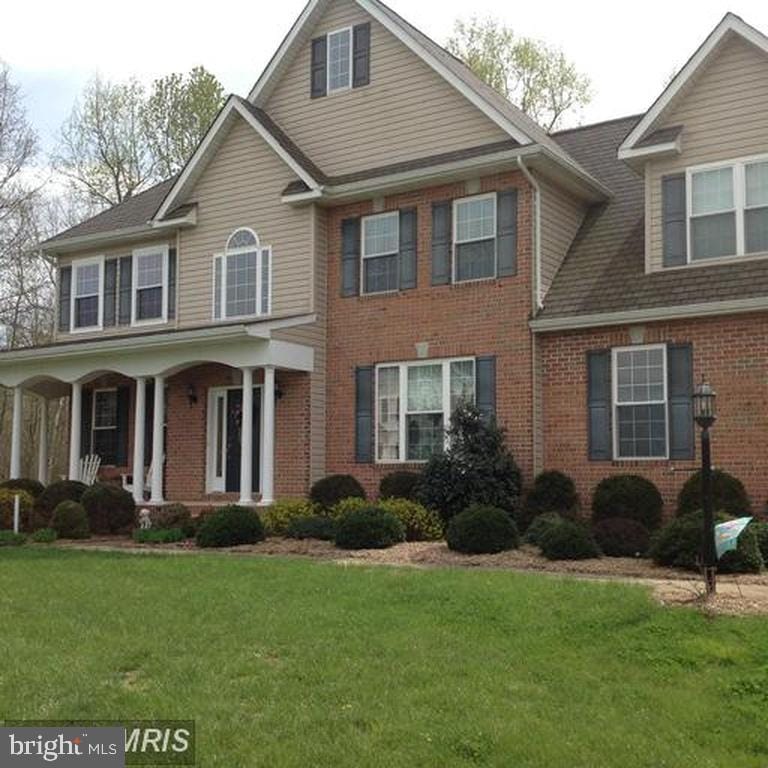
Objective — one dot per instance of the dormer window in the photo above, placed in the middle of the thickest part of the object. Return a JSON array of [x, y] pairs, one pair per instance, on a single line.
[[340, 61]]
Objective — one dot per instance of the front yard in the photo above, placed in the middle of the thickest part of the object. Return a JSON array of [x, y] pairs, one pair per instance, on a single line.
[[298, 663]]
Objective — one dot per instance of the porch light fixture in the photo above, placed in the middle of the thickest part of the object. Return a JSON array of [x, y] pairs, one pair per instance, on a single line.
[[191, 394], [705, 416]]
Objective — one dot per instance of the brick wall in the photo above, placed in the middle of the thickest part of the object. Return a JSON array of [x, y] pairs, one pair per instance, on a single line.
[[732, 352]]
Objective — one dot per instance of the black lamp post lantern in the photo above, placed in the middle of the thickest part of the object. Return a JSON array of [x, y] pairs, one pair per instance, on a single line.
[[705, 416]]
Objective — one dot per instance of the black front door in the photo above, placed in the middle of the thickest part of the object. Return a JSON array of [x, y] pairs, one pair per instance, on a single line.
[[234, 438]]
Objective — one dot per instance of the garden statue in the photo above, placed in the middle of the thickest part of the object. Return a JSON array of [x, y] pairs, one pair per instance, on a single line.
[[145, 520]]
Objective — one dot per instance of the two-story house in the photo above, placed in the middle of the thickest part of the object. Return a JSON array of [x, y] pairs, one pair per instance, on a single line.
[[374, 236]]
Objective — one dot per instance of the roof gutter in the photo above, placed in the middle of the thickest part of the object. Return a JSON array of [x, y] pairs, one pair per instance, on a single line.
[[537, 296]]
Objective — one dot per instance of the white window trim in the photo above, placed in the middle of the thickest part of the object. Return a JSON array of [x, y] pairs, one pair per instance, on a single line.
[[403, 411], [137, 254], [456, 242], [364, 255], [94, 428], [347, 87], [615, 405], [739, 206], [72, 310]]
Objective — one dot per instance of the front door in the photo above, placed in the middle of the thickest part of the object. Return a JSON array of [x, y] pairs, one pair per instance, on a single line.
[[225, 411]]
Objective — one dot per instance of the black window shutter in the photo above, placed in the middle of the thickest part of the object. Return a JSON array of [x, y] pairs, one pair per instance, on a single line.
[[172, 284], [680, 382], [123, 408], [506, 238], [65, 298], [673, 205], [485, 386], [149, 418], [350, 257], [442, 241], [319, 68], [361, 59], [364, 415], [599, 405], [110, 293], [86, 422], [126, 276], [408, 249]]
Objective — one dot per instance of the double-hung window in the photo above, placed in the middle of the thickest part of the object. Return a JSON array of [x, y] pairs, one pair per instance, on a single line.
[[640, 402], [104, 425], [242, 281], [150, 285], [88, 294], [340, 60], [474, 238], [414, 404], [380, 248]]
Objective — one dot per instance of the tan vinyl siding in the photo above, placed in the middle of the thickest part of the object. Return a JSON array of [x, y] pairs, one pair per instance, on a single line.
[[724, 113], [407, 111], [242, 187]]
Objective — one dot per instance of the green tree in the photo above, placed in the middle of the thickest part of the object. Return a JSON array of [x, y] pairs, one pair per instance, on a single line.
[[531, 73]]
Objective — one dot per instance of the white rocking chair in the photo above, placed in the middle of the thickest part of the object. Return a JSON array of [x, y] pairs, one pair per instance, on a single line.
[[89, 469], [129, 481]]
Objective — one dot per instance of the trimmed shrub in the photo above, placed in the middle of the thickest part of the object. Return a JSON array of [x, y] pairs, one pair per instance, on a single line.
[[33, 487], [44, 536], [761, 535], [540, 526], [70, 521], [421, 524], [369, 528], [314, 527], [52, 496], [477, 468], [171, 517], [569, 541], [552, 491], [678, 544], [230, 527], [622, 537], [7, 501], [110, 509], [400, 485], [329, 491], [11, 539], [277, 518], [628, 496], [482, 530], [158, 535], [345, 506], [728, 495]]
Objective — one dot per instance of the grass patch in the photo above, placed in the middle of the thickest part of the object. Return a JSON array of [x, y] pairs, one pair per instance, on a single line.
[[294, 663]]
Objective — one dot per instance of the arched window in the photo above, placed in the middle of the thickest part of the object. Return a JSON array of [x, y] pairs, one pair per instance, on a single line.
[[242, 277]]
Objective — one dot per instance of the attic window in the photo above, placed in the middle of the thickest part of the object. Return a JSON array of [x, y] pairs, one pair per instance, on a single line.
[[340, 60]]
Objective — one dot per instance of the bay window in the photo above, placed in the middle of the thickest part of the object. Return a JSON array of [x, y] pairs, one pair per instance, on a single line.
[[150, 285], [474, 238], [242, 278], [87, 306], [380, 248]]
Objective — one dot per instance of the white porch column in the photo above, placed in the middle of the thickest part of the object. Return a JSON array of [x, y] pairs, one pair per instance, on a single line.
[[158, 459], [42, 443], [140, 411], [18, 407], [246, 447], [268, 438], [76, 414]]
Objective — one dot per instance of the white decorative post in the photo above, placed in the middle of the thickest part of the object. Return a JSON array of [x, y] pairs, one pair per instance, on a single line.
[[268, 439], [18, 407], [246, 441], [140, 412], [75, 430], [158, 460], [42, 443]]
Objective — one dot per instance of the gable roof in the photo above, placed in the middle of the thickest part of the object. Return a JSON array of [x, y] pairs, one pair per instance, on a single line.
[[642, 137]]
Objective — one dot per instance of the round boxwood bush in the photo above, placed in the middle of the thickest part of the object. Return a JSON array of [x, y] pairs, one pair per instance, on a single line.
[[7, 502], [277, 518], [482, 530], [173, 516], [230, 527], [552, 491], [353, 504], [315, 527], [44, 536], [400, 485], [369, 528], [52, 496], [11, 539], [628, 496], [622, 537], [110, 509], [761, 534], [728, 495], [70, 521], [569, 541], [540, 526], [33, 487], [329, 491], [421, 524], [678, 544]]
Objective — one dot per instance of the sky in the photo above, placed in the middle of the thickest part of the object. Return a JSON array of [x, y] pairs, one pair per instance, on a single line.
[[629, 52]]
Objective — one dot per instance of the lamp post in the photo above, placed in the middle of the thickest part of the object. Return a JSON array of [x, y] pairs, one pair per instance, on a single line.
[[705, 417]]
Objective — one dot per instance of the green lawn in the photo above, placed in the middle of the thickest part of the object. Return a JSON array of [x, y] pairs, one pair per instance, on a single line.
[[294, 663]]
